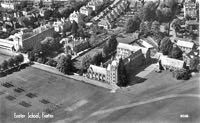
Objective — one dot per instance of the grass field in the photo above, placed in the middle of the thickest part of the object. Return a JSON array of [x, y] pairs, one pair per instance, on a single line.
[[63, 93], [3, 57], [74, 101]]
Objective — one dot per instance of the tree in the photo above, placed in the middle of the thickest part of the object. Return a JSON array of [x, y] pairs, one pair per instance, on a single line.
[[176, 25], [64, 64], [155, 27], [48, 44], [67, 27], [144, 29], [112, 43], [93, 40], [24, 21], [11, 62], [40, 60], [41, 4], [4, 65], [74, 27], [181, 74], [193, 63], [166, 46], [122, 74], [51, 62], [31, 56], [105, 51], [16, 60], [132, 24], [56, 14], [166, 11], [149, 11], [176, 52], [97, 58], [21, 58], [23, 4], [65, 13], [48, 14], [86, 61]]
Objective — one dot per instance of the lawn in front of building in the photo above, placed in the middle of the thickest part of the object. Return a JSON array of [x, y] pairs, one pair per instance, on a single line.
[[3, 57]]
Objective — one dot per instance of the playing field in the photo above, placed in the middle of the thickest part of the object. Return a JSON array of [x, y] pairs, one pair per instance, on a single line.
[[34, 90]]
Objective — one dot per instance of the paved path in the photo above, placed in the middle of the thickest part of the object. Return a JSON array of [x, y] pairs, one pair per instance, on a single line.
[[142, 102]]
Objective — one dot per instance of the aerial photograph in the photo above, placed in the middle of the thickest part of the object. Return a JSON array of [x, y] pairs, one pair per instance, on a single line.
[[99, 61]]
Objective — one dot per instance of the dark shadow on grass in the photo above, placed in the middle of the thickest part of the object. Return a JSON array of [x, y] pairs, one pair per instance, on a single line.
[[137, 80], [143, 66]]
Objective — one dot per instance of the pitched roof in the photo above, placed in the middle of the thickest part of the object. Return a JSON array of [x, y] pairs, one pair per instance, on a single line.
[[185, 44], [171, 62], [98, 69], [132, 48]]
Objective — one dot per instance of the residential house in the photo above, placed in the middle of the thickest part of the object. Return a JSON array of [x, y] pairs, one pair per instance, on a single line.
[[135, 36], [105, 23], [171, 64], [75, 16], [107, 75], [185, 46], [187, 57], [47, 3], [94, 4], [193, 25], [190, 8], [58, 26], [10, 4], [86, 10], [76, 44]]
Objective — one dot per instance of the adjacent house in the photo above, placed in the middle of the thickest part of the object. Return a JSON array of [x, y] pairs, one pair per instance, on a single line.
[[86, 10], [185, 46], [188, 56], [171, 64], [58, 26], [10, 4], [76, 45], [105, 23], [75, 16], [190, 8], [94, 4]]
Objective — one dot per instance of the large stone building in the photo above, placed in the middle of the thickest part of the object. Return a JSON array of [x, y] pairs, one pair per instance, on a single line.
[[27, 40], [126, 50], [108, 75], [133, 56]]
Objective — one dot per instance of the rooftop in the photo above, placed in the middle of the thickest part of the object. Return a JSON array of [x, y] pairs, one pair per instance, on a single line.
[[98, 69], [132, 48], [185, 44], [171, 62]]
